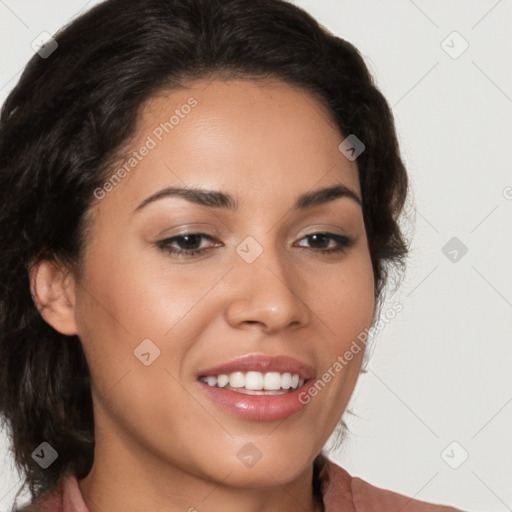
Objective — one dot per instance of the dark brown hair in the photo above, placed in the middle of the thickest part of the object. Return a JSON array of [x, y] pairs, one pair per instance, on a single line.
[[62, 128]]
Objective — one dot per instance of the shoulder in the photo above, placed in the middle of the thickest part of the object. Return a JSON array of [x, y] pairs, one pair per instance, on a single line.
[[341, 492], [369, 497]]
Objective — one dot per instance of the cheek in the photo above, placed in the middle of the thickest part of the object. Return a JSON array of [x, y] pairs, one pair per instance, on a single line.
[[127, 298], [126, 295], [346, 310], [346, 299]]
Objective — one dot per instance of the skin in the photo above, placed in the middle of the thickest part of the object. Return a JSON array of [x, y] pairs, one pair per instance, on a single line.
[[161, 443]]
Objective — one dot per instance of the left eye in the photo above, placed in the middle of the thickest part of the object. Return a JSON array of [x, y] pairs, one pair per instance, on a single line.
[[341, 242]]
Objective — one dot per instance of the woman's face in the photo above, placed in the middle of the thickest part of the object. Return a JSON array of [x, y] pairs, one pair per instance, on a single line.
[[154, 321]]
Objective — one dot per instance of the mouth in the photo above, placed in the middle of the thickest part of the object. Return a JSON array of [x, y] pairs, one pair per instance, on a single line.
[[258, 387]]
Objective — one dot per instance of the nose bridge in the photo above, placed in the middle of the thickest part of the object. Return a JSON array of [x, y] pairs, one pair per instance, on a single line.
[[266, 289]]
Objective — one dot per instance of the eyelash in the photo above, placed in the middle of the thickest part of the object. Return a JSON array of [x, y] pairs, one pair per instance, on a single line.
[[343, 243]]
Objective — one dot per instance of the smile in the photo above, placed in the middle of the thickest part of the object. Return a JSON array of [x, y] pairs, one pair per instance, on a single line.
[[255, 383]]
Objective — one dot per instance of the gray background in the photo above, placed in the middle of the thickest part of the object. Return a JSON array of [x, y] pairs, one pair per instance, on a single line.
[[439, 383]]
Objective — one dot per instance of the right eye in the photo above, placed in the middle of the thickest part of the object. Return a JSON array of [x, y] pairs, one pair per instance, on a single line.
[[188, 245]]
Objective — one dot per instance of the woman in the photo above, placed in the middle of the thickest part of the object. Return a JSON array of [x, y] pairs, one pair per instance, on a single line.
[[199, 212]]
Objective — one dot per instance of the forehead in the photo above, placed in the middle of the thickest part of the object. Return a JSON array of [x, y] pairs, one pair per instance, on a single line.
[[242, 136]]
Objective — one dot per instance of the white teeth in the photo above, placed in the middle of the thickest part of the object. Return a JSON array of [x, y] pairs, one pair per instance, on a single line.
[[286, 380], [272, 381], [222, 380], [255, 381], [236, 380]]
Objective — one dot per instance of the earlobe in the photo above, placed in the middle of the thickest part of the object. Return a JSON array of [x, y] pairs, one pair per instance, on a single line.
[[53, 292]]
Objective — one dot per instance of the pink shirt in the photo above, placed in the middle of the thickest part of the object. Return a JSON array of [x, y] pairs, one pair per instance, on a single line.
[[341, 493]]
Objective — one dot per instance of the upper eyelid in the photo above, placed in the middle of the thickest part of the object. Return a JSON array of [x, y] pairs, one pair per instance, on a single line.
[[195, 230]]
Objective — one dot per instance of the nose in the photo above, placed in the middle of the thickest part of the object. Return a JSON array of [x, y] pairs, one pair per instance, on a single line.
[[268, 292]]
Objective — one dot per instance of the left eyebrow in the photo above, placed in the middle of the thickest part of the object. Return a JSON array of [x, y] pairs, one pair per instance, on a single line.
[[216, 199], [325, 195]]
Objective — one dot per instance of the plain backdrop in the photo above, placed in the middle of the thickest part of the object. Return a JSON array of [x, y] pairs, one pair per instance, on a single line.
[[434, 411]]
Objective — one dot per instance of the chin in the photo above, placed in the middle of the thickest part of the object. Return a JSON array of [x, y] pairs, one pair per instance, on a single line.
[[253, 469]]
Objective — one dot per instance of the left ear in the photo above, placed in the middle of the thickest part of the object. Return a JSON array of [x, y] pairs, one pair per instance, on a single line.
[[53, 290]]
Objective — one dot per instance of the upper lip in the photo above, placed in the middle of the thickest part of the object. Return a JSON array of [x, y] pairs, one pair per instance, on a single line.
[[263, 364]]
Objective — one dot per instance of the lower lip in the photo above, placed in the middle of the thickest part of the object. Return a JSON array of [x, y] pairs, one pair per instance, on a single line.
[[258, 407]]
